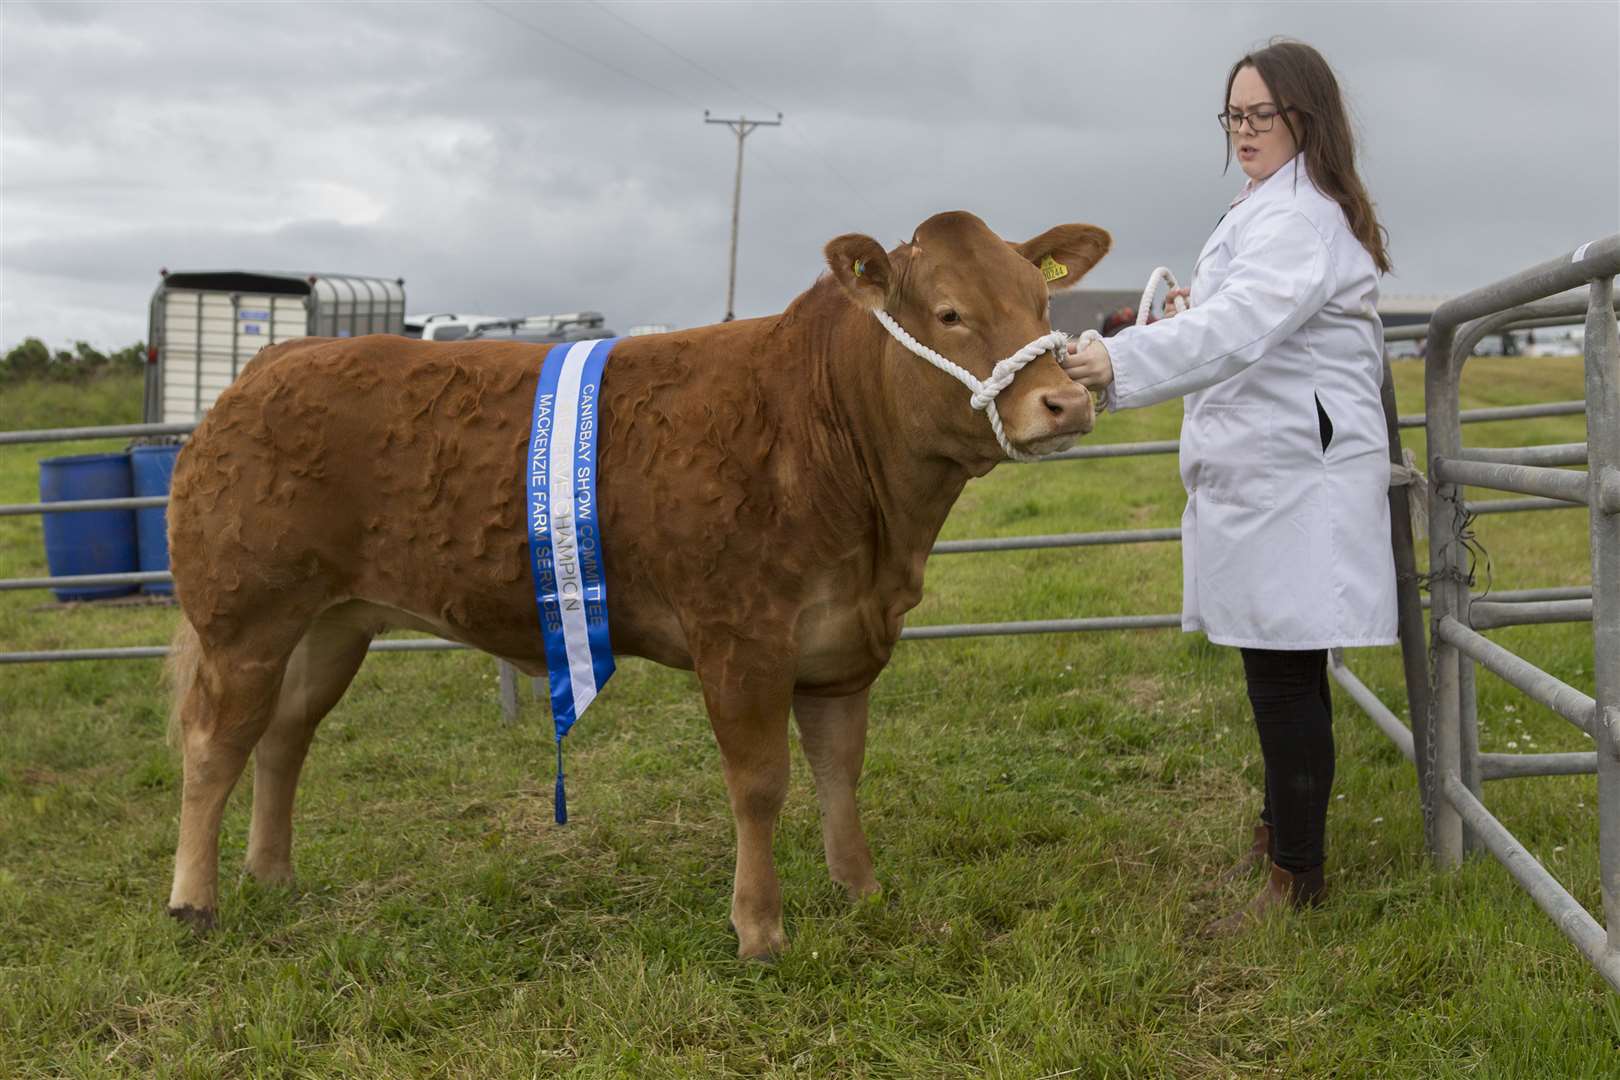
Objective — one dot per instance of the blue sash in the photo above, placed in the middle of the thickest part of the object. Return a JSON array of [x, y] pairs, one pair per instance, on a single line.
[[565, 536]]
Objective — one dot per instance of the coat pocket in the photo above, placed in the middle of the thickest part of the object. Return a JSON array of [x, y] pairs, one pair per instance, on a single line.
[[1324, 424], [1235, 464]]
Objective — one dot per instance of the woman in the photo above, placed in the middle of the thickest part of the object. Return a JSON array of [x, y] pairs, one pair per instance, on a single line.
[[1284, 452]]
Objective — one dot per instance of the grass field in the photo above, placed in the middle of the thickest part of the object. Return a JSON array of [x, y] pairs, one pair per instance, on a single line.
[[1047, 815]]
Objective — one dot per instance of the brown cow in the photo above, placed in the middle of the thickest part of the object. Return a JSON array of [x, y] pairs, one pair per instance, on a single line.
[[769, 491]]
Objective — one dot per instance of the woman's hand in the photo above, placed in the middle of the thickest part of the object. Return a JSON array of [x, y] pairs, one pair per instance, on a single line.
[[1170, 311], [1089, 366]]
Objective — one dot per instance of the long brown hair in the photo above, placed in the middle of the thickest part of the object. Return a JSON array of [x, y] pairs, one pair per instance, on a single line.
[[1303, 87]]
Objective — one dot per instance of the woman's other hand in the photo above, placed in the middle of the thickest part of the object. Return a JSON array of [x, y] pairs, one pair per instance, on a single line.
[[1089, 366], [1170, 311]]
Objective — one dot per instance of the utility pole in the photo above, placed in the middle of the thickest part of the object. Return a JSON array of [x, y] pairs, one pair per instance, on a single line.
[[741, 127]]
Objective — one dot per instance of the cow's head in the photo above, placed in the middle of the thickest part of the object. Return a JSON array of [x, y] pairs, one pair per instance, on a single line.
[[976, 299]]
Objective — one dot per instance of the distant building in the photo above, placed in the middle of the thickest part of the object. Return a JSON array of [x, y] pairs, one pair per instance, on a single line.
[[1409, 309]]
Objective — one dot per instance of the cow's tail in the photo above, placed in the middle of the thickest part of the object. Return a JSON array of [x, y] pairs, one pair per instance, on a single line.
[[179, 672]]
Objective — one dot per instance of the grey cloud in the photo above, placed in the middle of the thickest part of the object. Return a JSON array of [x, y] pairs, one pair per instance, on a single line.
[[494, 168]]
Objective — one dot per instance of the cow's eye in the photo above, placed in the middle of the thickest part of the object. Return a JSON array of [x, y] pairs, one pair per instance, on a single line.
[[949, 317]]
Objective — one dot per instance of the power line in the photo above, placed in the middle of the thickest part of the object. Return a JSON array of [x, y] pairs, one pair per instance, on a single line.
[[787, 180], [722, 80], [682, 57], [592, 57], [765, 160]]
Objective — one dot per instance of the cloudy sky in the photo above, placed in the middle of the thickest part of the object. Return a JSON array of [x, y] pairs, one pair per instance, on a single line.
[[519, 158]]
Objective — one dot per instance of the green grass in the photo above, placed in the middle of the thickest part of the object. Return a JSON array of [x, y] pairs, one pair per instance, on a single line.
[[1047, 815]]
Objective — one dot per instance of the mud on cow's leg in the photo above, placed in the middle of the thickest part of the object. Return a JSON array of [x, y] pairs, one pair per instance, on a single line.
[[833, 733], [748, 708]]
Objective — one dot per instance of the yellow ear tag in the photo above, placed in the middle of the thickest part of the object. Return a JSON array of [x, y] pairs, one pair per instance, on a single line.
[[860, 268], [1051, 269]]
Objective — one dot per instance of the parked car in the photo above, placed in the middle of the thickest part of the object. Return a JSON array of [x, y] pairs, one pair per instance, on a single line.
[[446, 326], [572, 326]]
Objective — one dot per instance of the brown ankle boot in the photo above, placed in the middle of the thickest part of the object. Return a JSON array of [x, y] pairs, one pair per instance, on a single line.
[[1259, 854], [1282, 890]]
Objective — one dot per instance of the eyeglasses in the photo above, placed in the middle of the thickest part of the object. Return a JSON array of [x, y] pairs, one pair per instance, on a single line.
[[1260, 120]]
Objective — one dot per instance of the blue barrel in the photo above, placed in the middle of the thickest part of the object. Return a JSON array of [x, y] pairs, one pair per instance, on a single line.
[[152, 467], [94, 541]]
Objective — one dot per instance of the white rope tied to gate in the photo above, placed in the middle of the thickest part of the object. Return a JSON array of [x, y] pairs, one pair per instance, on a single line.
[[1001, 376], [1417, 491]]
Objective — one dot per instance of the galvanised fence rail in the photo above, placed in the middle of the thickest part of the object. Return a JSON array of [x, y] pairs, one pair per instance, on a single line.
[[1442, 741]]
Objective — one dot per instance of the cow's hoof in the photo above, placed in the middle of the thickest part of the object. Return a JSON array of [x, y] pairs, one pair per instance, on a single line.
[[764, 948], [201, 920], [862, 890], [274, 877]]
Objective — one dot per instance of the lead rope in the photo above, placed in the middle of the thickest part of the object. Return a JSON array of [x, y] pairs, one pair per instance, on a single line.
[[1143, 309]]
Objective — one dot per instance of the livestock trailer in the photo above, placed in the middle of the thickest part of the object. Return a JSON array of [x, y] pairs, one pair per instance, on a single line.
[[205, 325]]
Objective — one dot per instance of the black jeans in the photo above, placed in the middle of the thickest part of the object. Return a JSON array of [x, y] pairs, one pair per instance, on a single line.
[[1293, 712]]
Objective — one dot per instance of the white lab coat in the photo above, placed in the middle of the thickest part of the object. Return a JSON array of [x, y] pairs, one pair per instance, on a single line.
[[1284, 545]]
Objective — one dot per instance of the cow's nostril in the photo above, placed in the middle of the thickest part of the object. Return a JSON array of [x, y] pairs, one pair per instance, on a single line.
[[1068, 409], [1060, 404]]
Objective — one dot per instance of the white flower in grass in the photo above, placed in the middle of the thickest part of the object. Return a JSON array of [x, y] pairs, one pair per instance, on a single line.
[[1377, 821], [1558, 850], [1513, 745], [1510, 708], [1339, 797]]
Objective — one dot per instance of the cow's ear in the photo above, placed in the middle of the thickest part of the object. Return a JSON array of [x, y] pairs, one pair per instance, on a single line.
[[862, 268], [1066, 252]]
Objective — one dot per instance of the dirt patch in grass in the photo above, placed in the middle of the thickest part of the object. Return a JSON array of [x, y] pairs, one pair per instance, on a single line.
[[37, 776]]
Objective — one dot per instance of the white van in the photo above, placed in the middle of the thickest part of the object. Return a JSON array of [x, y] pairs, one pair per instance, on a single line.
[[571, 326]]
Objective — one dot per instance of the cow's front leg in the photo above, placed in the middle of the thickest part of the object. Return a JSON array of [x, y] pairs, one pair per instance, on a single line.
[[749, 712], [833, 731]]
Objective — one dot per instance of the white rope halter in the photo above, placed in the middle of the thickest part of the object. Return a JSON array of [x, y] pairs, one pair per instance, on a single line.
[[1001, 376], [984, 393]]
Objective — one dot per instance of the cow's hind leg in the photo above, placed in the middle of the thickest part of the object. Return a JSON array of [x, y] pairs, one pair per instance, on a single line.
[[224, 701], [318, 673], [749, 713], [833, 733]]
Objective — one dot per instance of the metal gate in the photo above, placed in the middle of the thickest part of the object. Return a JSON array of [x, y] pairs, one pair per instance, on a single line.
[[1450, 764]]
